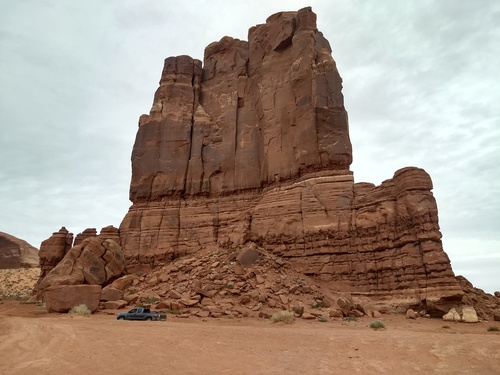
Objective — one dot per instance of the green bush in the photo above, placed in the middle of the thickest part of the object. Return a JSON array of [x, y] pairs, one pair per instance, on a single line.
[[316, 305], [493, 329], [323, 319], [283, 316], [151, 300], [377, 324], [82, 310]]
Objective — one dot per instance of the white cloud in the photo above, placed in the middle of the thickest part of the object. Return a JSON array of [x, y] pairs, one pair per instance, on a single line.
[[420, 83]]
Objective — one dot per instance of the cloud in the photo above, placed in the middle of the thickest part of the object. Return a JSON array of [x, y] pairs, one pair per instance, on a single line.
[[421, 86]]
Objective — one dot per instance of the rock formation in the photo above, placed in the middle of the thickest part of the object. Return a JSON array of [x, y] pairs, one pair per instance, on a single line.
[[80, 275], [253, 145], [62, 298], [87, 233], [53, 250], [16, 253], [95, 261]]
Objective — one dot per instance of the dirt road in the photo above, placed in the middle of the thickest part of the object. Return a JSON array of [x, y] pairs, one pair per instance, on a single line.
[[59, 344]]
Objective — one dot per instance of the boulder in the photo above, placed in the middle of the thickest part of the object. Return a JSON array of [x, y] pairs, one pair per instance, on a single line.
[[411, 314], [111, 294], [95, 261], [61, 298], [452, 316], [16, 253], [345, 304], [308, 316], [115, 305], [248, 256], [124, 282], [174, 294], [131, 298], [469, 315], [163, 306], [335, 313]]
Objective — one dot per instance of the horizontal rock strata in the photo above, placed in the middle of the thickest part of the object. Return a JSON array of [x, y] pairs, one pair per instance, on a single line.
[[253, 145], [378, 240], [16, 253]]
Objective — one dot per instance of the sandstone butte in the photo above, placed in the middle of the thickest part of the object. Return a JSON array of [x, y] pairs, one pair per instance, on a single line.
[[16, 253], [252, 147]]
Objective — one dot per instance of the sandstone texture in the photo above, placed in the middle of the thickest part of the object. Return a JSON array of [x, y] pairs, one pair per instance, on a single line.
[[16, 253], [218, 284], [255, 113], [53, 250], [485, 304], [465, 314], [62, 298], [95, 261], [253, 146]]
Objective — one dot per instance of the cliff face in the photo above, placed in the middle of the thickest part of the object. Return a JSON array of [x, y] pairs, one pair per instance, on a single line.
[[254, 146], [257, 112], [16, 253]]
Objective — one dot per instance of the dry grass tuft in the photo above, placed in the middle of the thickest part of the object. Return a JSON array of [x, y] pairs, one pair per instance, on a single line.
[[283, 316]]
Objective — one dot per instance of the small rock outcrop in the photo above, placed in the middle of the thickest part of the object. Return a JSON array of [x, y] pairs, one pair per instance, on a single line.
[[53, 250], [87, 233], [62, 298], [465, 314], [16, 253], [253, 146], [484, 303], [95, 261]]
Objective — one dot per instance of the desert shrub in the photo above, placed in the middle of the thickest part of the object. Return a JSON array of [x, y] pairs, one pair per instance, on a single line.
[[350, 319], [82, 310], [283, 316], [446, 327], [323, 319], [377, 324], [151, 300], [316, 305], [493, 329]]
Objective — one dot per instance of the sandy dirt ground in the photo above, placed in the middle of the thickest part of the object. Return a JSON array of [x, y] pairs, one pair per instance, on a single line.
[[35, 342]]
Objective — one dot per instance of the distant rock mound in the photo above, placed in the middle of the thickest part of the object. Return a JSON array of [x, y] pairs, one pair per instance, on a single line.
[[484, 303], [16, 253], [253, 145]]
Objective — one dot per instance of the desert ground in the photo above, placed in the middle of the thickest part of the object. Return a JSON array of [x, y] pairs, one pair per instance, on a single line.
[[35, 342]]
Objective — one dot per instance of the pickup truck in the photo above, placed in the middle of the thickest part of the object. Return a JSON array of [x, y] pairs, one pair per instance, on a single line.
[[141, 313]]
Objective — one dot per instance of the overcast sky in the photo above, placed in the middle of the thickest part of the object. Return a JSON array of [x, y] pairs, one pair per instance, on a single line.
[[421, 85]]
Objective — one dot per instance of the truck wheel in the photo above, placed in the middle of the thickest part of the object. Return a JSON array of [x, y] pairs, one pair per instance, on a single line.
[[148, 318], [121, 318]]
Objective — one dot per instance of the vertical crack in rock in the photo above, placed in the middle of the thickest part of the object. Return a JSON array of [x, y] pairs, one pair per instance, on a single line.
[[209, 153]]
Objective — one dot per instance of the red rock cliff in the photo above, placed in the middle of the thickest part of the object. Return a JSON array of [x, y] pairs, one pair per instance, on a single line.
[[254, 146]]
